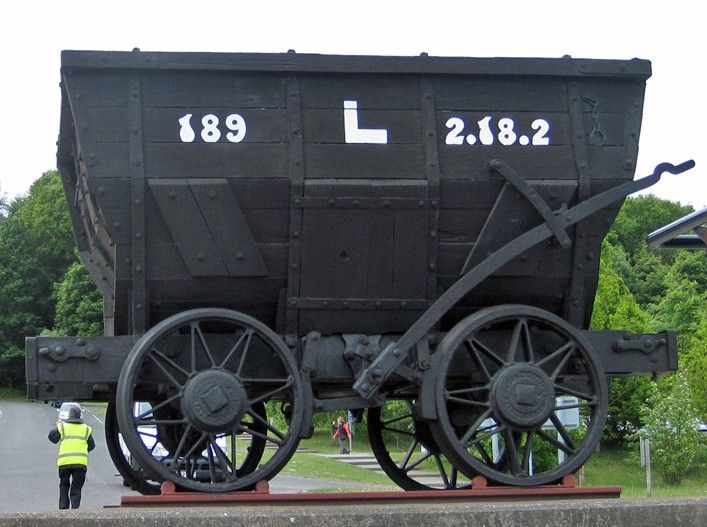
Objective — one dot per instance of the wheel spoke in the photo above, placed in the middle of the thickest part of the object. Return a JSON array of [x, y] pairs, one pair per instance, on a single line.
[[554, 442], [478, 345], [419, 461], [492, 432], [180, 446], [255, 433], [197, 330], [194, 447], [591, 402], [569, 391], [145, 422], [221, 457], [469, 345], [242, 362], [408, 455], [453, 479], [468, 402], [247, 335], [396, 419], [527, 450], [442, 472], [484, 455], [212, 467], [525, 333], [270, 427], [469, 390], [512, 452], [157, 407], [169, 361], [565, 351], [398, 431], [268, 395], [562, 431], [169, 376], [515, 339], [475, 425]]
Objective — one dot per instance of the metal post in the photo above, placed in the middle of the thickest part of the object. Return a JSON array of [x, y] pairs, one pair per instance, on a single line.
[[649, 478], [560, 453]]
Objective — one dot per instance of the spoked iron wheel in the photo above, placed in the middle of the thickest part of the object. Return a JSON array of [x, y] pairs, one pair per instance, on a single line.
[[225, 386], [504, 375], [403, 445]]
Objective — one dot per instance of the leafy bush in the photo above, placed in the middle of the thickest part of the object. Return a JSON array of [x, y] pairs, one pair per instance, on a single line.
[[670, 423]]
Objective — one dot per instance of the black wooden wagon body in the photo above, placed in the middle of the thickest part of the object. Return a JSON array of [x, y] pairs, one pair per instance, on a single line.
[[287, 233]]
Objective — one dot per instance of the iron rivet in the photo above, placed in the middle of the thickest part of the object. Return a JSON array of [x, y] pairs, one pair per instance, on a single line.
[[295, 234], [138, 268], [138, 235], [138, 306]]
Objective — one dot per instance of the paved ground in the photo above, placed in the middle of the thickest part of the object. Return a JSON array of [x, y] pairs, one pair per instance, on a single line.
[[29, 480]]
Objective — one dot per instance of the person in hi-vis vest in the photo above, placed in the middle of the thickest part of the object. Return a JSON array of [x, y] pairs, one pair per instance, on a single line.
[[75, 442]]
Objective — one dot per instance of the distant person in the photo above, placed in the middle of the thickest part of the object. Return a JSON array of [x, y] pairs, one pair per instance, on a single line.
[[342, 434], [75, 442]]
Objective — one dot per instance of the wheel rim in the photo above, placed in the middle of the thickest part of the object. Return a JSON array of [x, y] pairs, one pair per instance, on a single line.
[[213, 373], [502, 377], [396, 429]]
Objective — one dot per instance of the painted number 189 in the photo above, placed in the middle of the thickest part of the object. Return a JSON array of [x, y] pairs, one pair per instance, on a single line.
[[210, 132]]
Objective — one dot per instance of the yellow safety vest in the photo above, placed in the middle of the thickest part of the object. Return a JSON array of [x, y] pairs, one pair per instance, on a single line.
[[73, 445]]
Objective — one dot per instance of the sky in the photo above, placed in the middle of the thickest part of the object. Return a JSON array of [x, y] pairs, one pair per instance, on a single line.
[[33, 33]]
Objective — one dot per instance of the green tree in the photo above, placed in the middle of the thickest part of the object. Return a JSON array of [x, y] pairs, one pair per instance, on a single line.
[[36, 246], [79, 305], [639, 217], [615, 308]]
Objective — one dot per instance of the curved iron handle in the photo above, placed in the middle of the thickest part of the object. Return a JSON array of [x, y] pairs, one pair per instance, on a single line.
[[395, 353]]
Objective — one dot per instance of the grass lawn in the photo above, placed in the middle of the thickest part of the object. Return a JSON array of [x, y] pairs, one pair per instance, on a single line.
[[608, 467], [12, 394], [622, 468]]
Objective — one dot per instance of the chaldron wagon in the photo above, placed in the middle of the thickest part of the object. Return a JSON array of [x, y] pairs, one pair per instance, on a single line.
[[276, 235]]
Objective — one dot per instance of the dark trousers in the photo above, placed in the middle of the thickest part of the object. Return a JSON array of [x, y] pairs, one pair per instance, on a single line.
[[71, 481]]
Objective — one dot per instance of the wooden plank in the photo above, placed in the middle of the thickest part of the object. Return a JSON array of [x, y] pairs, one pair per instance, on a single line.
[[380, 255], [372, 92], [215, 291], [410, 254], [96, 88], [235, 90], [334, 247], [216, 160], [229, 228], [534, 163], [364, 161], [166, 263], [268, 225], [637, 70], [188, 227], [488, 94]]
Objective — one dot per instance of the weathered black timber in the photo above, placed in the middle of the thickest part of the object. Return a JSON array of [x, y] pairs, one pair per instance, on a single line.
[[280, 234]]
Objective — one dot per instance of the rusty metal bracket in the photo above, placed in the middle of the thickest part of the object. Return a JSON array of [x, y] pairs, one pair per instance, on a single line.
[[397, 352]]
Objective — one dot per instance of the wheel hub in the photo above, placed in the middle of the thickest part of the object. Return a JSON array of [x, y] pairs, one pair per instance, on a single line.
[[523, 396], [214, 401]]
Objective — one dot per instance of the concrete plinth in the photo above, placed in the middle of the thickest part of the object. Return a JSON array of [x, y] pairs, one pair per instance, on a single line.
[[678, 512]]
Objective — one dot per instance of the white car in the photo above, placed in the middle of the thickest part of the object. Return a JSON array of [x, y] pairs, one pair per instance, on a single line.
[[63, 412]]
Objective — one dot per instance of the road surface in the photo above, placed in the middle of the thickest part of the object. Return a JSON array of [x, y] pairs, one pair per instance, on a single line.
[[29, 479]]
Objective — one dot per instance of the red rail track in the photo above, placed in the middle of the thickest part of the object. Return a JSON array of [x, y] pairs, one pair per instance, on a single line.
[[480, 491]]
